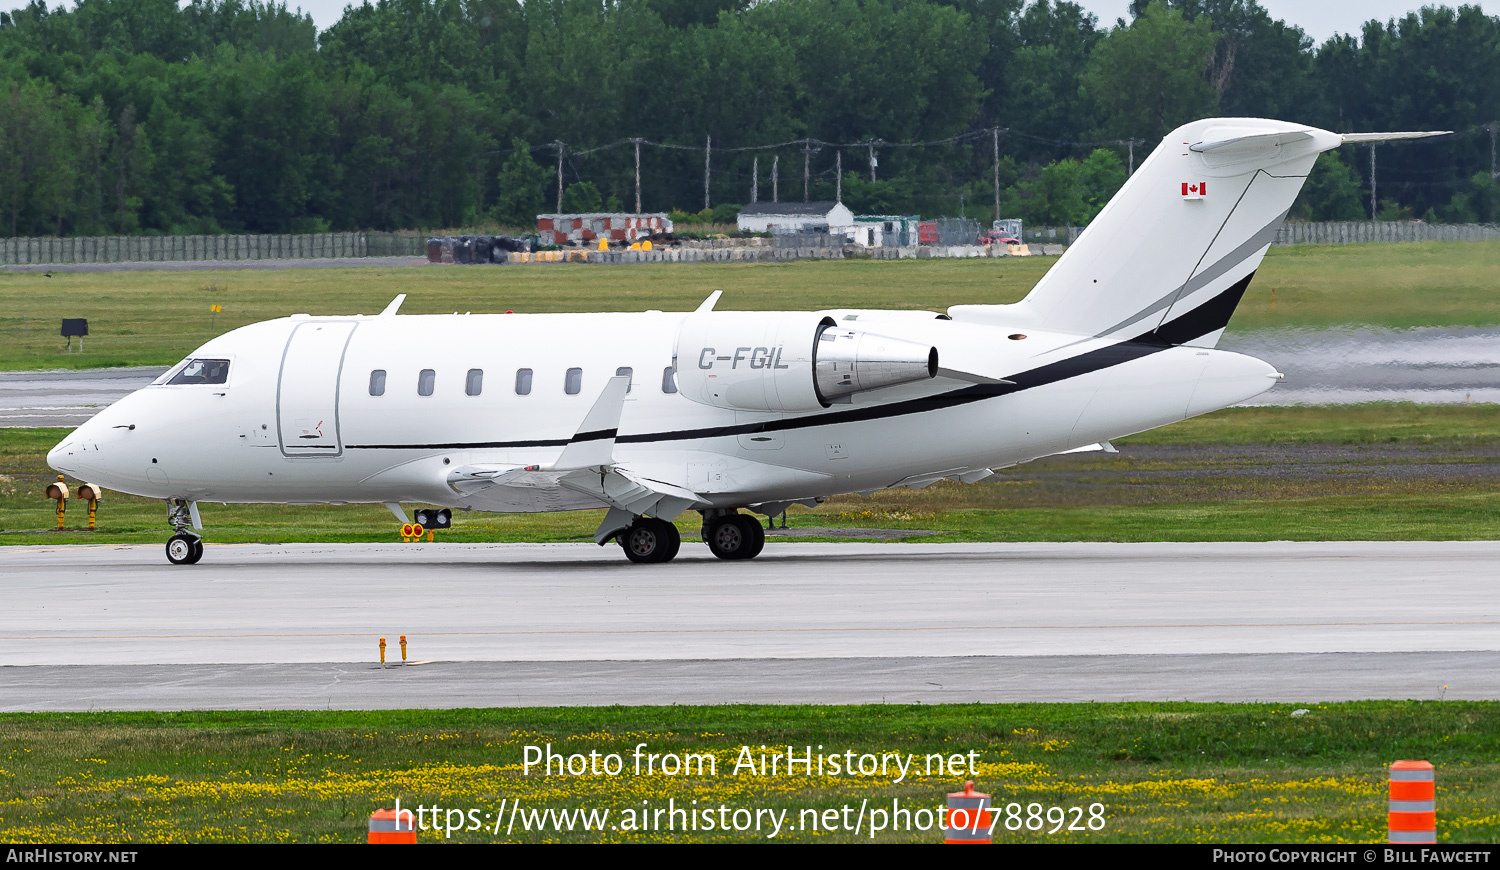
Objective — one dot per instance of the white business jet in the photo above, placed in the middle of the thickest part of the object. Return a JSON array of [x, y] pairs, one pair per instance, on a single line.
[[657, 413]]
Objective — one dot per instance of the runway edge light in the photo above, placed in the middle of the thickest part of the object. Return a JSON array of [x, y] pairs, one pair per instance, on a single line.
[[1413, 803]]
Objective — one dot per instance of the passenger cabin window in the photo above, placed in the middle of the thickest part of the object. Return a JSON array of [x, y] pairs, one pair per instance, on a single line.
[[668, 380], [474, 382], [377, 382], [574, 382], [425, 382], [628, 372], [523, 382], [202, 371]]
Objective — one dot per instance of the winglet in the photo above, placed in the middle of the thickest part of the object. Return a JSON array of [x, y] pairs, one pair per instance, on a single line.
[[594, 444], [390, 310], [709, 303]]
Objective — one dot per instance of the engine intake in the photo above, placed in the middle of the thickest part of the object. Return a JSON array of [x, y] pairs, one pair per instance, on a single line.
[[789, 361]]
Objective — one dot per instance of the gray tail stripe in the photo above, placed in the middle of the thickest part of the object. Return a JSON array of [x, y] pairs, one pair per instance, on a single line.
[[1265, 236]]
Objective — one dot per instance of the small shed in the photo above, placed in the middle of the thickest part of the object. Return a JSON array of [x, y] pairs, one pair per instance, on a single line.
[[795, 217], [886, 230]]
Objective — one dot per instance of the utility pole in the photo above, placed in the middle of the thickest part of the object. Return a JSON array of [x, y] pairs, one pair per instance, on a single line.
[[1130, 151], [1372, 182], [775, 163], [871, 146], [557, 143], [708, 150], [755, 179], [838, 185], [996, 133], [1492, 127], [806, 165], [637, 175]]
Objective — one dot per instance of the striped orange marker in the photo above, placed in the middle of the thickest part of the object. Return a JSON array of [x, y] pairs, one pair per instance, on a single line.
[[1413, 806], [969, 816], [389, 826]]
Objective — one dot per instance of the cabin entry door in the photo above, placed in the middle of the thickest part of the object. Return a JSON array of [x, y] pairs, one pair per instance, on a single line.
[[307, 391]]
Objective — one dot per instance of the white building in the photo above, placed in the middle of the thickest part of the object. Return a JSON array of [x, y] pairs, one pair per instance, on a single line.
[[802, 217]]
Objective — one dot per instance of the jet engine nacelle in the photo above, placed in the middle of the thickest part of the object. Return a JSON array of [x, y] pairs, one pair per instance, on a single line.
[[789, 361]]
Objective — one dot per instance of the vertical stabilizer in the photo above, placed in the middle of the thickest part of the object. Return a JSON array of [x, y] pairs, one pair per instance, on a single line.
[[1172, 252]]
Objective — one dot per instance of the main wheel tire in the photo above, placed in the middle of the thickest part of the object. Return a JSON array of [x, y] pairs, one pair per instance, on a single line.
[[183, 550], [650, 540], [730, 537], [674, 541], [755, 537]]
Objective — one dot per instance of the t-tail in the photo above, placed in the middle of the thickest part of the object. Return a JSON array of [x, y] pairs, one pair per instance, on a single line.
[[1169, 257]]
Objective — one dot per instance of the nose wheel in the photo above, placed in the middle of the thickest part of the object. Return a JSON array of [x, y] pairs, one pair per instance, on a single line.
[[184, 549], [650, 540], [735, 536]]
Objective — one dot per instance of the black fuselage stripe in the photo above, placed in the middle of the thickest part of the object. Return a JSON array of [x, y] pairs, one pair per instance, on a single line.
[[1209, 317]]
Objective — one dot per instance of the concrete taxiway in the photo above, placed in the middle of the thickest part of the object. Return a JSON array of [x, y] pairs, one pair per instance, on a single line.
[[297, 626]]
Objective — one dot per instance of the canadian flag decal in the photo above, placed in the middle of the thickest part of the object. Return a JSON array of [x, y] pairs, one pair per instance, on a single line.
[[1194, 190]]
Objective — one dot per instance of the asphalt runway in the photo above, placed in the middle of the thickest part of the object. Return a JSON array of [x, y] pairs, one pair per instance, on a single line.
[[66, 397], [297, 626]]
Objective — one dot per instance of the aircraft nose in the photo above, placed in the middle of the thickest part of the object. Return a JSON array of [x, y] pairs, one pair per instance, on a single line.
[[60, 458]]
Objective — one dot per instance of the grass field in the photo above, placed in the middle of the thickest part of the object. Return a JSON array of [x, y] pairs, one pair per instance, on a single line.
[[157, 318], [1241, 773], [1369, 472]]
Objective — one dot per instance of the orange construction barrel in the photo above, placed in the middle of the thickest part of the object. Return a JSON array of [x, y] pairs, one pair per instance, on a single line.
[[387, 826], [969, 816], [1413, 803]]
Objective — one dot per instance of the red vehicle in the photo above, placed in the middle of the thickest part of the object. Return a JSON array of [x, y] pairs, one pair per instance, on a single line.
[[996, 237]]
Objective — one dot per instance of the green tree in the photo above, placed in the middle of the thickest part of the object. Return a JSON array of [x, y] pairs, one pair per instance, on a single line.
[[1332, 192], [1152, 76], [522, 185]]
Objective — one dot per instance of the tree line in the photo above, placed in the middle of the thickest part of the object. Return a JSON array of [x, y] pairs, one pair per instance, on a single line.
[[137, 116]]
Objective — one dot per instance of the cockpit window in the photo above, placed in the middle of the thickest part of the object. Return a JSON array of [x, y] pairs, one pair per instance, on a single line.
[[202, 371]]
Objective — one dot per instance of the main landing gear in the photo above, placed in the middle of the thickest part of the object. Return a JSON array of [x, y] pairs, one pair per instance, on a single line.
[[729, 535], [650, 540], [732, 535], [185, 547]]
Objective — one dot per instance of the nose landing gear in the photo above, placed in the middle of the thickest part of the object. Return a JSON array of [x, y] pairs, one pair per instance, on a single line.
[[185, 547]]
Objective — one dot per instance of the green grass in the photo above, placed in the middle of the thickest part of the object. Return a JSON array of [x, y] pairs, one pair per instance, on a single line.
[[157, 318], [1364, 472], [1235, 773], [1369, 423]]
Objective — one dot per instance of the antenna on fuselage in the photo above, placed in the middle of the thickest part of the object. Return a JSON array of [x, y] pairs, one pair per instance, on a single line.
[[709, 303], [390, 310]]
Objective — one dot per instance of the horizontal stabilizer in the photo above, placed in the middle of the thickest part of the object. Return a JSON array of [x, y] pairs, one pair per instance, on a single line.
[[1352, 138], [594, 444], [1254, 140]]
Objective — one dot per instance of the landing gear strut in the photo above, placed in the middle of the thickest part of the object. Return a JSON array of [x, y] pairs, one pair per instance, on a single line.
[[650, 540], [185, 547], [733, 535]]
